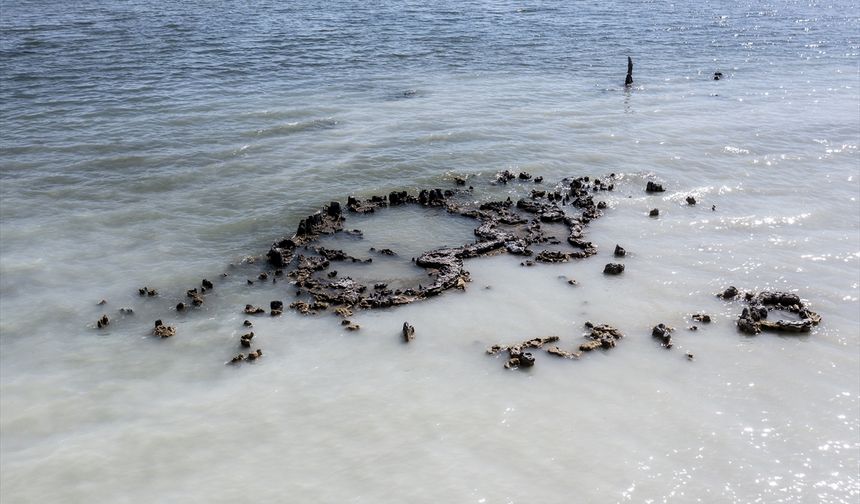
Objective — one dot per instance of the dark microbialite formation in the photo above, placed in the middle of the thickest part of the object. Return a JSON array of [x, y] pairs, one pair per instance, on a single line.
[[754, 317], [501, 227], [546, 226]]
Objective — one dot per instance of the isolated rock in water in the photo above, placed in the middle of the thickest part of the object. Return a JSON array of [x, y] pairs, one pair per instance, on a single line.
[[353, 327], [207, 284], [126, 311], [253, 310], [276, 307], [102, 302], [653, 187], [180, 306], [613, 269], [662, 332], [237, 359], [103, 322], [691, 200], [730, 293], [524, 176], [163, 331], [718, 75], [408, 332], [245, 340], [654, 212], [256, 354], [247, 323], [619, 251], [702, 317]]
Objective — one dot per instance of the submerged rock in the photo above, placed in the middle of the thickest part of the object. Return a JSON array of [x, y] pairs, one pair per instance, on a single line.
[[663, 333], [408, 332], [730, 293], [613, 269], [653, 187], [601, 336], [253, 310], [163, 331], [702, 317]]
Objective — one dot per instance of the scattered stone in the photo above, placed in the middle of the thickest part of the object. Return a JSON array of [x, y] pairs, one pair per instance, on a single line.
[[102, 302], [332, 274], [460, 181], [253, 310], [196, 300], [713, 208], [613, 269], [277, 308], [730, 293], [689, 356], [343, 312], [263, 276], [126, 311], [619, 251], [387, 252], [662, 332], [146, 291], [256, 354], [103, 322], [247, 323], [250, 282], [207, 284], [693, 328], [180, 306], [702, 317], [245, 340], [655, 212], [691, 200], [237, 359], [408, 332], [718, 75], [163, 331], [653, 187], [353, 327], [345, 322], [524, 176], [538, 180]]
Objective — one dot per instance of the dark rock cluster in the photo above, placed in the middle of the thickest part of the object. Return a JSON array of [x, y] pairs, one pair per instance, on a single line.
[[501, 227]]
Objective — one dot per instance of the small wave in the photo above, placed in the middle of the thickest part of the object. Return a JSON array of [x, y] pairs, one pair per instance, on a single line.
[[735, 150], [295, 127]]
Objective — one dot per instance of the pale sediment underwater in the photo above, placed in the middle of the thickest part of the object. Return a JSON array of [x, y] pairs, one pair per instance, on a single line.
[[156, 145]]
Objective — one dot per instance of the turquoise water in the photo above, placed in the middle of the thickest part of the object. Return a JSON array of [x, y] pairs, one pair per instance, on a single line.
[[156, 143]]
